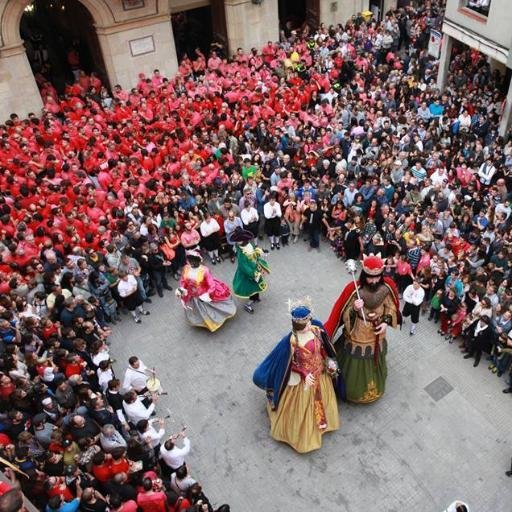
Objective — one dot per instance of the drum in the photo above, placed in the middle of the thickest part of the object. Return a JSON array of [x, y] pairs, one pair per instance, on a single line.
[[153, 385]]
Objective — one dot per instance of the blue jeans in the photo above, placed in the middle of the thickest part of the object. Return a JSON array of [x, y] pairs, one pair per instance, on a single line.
[[502, 362], [140, 288], [159, 280]]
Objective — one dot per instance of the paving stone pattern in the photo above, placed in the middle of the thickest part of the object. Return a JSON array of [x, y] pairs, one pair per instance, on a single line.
[[409, 451], [438, 388]]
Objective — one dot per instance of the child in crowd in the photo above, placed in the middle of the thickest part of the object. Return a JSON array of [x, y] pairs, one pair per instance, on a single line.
[[285, 231], [435, 306], [456, 322]]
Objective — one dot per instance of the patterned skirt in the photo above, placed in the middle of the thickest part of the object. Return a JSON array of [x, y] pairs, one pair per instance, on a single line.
[[295, 420], [210, 315]]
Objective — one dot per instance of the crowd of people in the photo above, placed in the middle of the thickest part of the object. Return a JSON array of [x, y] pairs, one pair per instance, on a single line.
[[337, 135]]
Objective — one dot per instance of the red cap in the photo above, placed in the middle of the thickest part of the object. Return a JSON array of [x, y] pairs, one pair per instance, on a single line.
[[373, 265]]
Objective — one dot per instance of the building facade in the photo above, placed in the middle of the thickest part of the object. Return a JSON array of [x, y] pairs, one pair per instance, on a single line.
[[128, 37], [486, 26]]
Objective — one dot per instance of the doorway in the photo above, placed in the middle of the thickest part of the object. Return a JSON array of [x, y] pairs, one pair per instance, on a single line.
[[192, 29], [60, 39], [377, 7], [294, 14]]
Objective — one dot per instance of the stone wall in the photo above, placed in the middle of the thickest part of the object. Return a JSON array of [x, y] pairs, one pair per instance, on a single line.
[[496, 27], [339, 11], [185, 5], [136, 49], [18, 89], [251, 25]]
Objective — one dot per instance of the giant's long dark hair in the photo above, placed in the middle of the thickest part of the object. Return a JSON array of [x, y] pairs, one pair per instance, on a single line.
[[195, 261]]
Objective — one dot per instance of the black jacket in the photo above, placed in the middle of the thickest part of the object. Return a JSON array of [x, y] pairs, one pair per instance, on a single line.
[[484, 340]]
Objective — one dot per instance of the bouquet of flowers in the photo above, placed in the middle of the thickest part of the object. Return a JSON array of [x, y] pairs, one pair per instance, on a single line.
[[331, 367]]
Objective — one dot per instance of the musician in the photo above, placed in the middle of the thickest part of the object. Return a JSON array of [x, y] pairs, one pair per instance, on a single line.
[[136, 376], [151, 432], [173, 457], [135, 409]]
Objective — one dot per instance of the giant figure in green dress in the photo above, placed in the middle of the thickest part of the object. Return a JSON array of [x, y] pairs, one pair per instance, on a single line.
[[248, 281]]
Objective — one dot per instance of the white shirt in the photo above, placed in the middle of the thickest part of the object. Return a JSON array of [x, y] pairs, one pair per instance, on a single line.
[[414, 296], [48, 374], [438, 178], [486, 172], [272, 211], [137, 411], [102, 355], [176, 457], [503, 208], [152, 436], [465, 121], [104, 376], [249, 215], [135, 378], [127, 287], [208, 228]]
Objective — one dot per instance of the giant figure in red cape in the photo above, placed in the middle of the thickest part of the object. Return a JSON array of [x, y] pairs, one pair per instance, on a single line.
[[361, 343]]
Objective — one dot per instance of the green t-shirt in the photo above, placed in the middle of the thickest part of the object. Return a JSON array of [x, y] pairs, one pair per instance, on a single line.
[[169, 223], [435, 303], [249, 171]]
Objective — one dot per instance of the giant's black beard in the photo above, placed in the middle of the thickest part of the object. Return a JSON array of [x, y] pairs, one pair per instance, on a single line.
[[373, 287]]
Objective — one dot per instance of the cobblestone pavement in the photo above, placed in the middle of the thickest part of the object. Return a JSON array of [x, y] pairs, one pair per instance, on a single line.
[[405, 452]]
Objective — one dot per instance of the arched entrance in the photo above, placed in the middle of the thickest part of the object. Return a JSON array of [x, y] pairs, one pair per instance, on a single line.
[[192, 29], [60, 39], [113, 40], [199, 28], [294, 14]]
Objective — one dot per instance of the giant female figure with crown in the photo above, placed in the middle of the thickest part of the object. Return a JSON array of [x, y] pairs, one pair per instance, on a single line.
[[360, 318], [299, 376]]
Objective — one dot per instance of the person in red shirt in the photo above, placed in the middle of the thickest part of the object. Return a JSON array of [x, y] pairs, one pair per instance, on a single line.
[[102, 467], [4, 486], [177, 503], [74, 365], [119, 463], [56, 486], [151, 499], [7, 388], [116, 505]]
